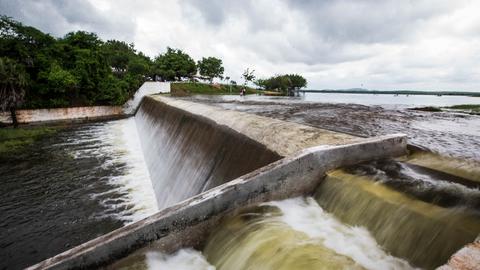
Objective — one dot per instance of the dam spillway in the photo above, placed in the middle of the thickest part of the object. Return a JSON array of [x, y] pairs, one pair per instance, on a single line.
[[192, 128], [190, 148]]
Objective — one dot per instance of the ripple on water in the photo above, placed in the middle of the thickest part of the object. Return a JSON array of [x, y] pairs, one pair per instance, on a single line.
[[82, 182]]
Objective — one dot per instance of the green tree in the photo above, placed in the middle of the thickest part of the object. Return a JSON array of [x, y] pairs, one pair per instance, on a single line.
[[286, 84], [260, 83], [296, 81], [118, 55], [210, 68], [13, 82], [174, 65], [248, 76]]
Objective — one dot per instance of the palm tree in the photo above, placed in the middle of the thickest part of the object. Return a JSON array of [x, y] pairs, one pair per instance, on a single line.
[[13, 81]]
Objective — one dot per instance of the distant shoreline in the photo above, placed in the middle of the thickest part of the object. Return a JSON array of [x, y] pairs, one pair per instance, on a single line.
[[395, 92]]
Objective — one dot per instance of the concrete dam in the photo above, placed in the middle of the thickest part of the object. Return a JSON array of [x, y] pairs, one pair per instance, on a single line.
[[239, 191]]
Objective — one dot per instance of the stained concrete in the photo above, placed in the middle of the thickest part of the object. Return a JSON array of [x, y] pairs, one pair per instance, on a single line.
[[176, 226], [63, 114], [284, 138]]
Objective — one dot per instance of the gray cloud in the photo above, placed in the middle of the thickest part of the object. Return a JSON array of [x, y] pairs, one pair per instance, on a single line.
[[335, 43], [59, 17]]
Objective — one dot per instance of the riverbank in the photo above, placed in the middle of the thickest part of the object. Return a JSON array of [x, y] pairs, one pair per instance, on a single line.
[[15, 139], [186, 89]]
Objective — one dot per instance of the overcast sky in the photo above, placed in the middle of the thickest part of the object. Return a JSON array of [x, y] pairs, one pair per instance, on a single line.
[[416, 44]]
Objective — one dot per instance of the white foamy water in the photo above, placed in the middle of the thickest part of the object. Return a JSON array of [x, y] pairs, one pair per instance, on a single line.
[[136, 180], [117, 143], [305, 215], [184, 259]]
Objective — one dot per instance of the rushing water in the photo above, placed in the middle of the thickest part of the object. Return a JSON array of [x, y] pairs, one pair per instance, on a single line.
[[352, 222], [82, 182]]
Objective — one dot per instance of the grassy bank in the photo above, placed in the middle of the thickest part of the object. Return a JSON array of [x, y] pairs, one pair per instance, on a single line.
[[464, 108], [185, 89], [473, 108], [14, 139]]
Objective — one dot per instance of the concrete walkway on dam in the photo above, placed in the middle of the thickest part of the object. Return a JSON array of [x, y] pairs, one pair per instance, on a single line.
[[305, 155]]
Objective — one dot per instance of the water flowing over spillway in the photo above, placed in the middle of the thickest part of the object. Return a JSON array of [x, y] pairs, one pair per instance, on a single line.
[[188, 154]]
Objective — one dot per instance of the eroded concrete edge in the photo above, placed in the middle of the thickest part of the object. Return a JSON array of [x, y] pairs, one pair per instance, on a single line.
[[288, 177]]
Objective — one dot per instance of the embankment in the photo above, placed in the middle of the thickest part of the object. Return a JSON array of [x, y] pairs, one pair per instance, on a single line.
[[64, 114]]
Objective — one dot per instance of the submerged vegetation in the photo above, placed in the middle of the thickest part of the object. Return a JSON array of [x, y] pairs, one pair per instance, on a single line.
[[13, 140], [474, 108], [463, 108]]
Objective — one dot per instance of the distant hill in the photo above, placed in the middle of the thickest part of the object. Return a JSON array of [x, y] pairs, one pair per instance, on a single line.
[[393, 92]]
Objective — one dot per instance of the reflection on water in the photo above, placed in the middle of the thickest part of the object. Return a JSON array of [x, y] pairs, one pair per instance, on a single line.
[[80, 183]]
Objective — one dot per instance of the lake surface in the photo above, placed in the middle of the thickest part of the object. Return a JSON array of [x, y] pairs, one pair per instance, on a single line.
[[390, 101]]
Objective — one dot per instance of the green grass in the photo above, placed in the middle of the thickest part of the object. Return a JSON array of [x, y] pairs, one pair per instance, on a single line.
[[185, 89], [464, 108], [15, 139], [472, 107]]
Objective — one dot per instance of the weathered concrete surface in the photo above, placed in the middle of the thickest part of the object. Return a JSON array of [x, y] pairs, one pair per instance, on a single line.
[[147, 88], [62, 114], [467, 258], [288, 177], [284, 138]]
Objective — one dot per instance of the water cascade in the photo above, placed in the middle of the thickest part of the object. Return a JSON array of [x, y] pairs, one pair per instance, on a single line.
[[188, 154], [424, 233]]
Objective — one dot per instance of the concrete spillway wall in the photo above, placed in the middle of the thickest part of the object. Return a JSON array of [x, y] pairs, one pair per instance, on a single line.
[[190, 147], [188, 153], [225, 156]]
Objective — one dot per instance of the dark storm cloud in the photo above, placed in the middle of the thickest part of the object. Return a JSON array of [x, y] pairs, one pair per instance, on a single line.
[[59, 17]]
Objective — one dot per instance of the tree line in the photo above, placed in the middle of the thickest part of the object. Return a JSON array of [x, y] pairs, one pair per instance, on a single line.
[[286, 84], [38, 70], [41, 71]]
